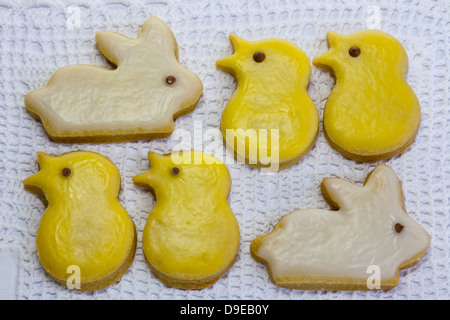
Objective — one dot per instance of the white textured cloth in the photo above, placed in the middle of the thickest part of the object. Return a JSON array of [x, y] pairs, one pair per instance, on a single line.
[[39, 37]]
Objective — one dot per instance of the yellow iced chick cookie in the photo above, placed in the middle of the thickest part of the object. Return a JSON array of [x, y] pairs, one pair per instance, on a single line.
[[191, 237], [270, 120], [372, 113], [85, 240]]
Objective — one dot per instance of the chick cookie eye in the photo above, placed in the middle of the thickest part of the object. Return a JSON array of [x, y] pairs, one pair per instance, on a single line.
[[259, 56], [170, 80], [175, 171], [66, 172], [354, 51]]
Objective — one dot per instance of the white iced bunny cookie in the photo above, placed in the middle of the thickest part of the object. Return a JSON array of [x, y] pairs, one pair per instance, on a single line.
[[137, 100], [369, 235]]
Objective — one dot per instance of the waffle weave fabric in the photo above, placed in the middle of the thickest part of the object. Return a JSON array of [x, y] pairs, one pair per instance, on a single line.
[[39, 37]]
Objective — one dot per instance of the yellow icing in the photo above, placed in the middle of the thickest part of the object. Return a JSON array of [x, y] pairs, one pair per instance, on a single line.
[[270, 95], [191, 234], [372, 110], [84, 223]]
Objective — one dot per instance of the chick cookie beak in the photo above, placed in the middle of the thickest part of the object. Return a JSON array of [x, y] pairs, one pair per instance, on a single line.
[[145, 179], [328, 59], [34, 181], [142, 180], [228, 64], [325, 61]]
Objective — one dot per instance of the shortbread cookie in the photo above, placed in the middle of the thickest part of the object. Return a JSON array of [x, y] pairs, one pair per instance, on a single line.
[[137, 100], [270, 120], [361, 246], [84, 228], [191, 237], [372, 112]]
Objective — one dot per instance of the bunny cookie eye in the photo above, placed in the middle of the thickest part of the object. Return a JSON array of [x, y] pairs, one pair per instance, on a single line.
[[354, 51], [398, 227], [170, 80], [259, 56], [66, 172]]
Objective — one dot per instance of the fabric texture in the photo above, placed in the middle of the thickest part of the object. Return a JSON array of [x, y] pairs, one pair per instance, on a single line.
[[39, 37]]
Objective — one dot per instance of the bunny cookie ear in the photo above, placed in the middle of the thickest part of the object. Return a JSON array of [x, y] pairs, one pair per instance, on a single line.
[[111, 45], [339, 193], [159, 33], [383, 179]]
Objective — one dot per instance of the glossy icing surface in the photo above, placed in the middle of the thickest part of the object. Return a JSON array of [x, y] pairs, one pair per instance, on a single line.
[[271, 94], [365, 231], [191, 233], [84, 224], [134, 97], [371, 110]]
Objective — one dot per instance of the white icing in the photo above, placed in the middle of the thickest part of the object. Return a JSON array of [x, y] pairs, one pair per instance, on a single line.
[[133, 96], [346, 242]]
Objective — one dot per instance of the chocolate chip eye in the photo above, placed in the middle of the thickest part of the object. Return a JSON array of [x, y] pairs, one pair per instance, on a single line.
[[259, 56], [398, 227], [66, 172], [171, 80], [354, 52], [175, 171]]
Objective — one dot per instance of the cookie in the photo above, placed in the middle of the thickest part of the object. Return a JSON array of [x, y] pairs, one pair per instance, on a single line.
[[367, 240], [137, 100], [372, 113], [191, 237], [271, 97], [84, 226]]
